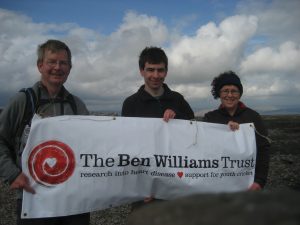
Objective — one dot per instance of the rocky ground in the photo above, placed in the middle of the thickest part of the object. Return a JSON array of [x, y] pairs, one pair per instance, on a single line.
[[283, 175]]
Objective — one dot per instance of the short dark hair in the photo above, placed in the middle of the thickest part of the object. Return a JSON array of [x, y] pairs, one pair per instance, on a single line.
[[53, 46], [226, 78], [152, 55]]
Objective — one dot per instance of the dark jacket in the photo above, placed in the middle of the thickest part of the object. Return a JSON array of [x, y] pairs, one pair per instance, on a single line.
[[247, 115], [142, 104]]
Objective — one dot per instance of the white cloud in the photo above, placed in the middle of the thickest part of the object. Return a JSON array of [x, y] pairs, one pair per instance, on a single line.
[[273, 72], [284, 60], [105, 67], [278, 20], [137, 28], [212, 50]]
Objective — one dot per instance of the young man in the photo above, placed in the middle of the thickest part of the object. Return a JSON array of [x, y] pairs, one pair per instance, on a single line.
[[155, 99], [54, 64]]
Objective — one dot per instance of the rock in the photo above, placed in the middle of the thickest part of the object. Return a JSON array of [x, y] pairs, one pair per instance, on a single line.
[[244, 208]]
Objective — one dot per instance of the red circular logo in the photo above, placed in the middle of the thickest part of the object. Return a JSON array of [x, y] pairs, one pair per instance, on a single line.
[[51, 163]]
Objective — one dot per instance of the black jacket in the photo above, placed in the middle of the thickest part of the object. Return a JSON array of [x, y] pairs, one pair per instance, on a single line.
[[247, 115], [142, 104]]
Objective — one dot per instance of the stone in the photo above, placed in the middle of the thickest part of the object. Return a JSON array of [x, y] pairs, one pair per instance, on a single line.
[[243, 208]]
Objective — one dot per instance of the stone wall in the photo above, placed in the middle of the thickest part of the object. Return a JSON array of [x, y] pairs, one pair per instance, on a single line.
[[245, 208]]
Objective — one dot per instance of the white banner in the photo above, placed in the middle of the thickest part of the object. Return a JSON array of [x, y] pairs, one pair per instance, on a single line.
[[81, 164]]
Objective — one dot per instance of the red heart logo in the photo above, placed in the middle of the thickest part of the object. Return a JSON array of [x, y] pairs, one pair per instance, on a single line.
[[180, 174]]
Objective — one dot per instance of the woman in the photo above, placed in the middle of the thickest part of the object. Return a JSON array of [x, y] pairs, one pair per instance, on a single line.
[[228, 87]]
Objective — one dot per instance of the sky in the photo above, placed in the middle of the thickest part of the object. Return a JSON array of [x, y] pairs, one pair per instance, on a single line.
[[257, 39]]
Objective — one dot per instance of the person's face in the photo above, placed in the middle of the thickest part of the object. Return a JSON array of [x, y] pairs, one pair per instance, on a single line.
[[230, 96], [55, 68], [154, 75]]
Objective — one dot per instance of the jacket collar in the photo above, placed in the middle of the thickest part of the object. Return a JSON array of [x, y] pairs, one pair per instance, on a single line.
[[147, 97], [241, 108], [43, 93]]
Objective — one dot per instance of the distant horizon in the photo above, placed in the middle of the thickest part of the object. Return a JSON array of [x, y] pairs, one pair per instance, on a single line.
[[263, 113], [200, 113]]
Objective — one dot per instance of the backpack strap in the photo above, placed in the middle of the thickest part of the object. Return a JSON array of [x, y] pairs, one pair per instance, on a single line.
[[31, 106], [30, 109], [69, 99]]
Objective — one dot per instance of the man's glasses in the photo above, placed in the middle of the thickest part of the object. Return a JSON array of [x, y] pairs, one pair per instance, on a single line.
[[232, 92], [53, 63], [152, 70]]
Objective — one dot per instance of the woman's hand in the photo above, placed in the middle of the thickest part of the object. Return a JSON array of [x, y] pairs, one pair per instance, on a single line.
[[149, 199], [255, 187]]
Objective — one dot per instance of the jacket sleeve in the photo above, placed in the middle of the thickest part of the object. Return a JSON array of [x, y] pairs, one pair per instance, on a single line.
[[188, 110], [263, 152], [205, 118], [10, 119], [127, 108], [184, 111]]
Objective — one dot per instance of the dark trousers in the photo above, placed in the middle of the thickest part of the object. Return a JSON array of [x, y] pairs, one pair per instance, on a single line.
[[79, 219]]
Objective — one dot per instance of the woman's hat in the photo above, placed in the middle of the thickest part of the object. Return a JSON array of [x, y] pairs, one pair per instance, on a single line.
[[227, 78]]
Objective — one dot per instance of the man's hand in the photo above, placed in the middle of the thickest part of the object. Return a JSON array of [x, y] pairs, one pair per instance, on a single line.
[[233, 125], [169, 114], [22, 182]]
